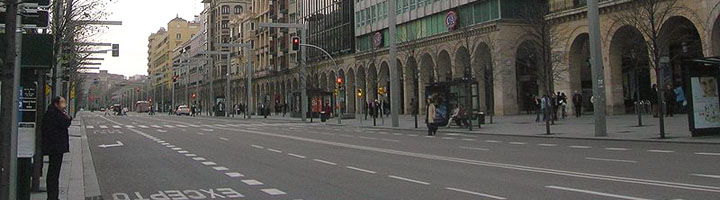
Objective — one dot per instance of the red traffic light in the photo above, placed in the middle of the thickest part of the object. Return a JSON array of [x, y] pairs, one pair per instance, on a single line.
[[194, 96], [339, 80], [296, 43]]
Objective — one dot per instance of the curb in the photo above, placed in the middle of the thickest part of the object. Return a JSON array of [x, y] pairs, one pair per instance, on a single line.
[[550, 136], [91, 186]]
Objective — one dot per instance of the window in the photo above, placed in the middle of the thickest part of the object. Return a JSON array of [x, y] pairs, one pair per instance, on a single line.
[[238, 9], [225, 9], [225, 24], [178, 36]]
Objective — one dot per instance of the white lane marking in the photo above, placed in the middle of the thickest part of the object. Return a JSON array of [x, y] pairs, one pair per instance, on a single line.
[[201, 133], [101, 126], [273, 191], [474, 148], [367, 138], [162, 131], [412, 135], [160, 141], [323, 161], [359, 169], [220, 125], [234, 174], [706, 175], [409, 180], [579, 147], [199, 158], [344, 135], [170, 146], [196, 126], [616, 149], [181, 126], [116, 126], [492, 141], [142, 126], [659, 151], [517, 143], [548, 145], [390, 140], [176, 148], [206, 129], [468, 139], [475, 193], [398, 134], [595, 193], [296, 155], [89, 127], [209, 163], [220, 168], [274, 150], [164, 143], [256, 146], [222, 138], [565, 173], [129, 126], [611, 160], [169, 126], [156, 126], [252, 182], [190, 155], [448, 138], [183, 152], [708, 154]]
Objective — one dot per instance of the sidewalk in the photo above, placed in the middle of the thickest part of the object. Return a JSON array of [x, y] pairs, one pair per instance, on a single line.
[[619, 127], [77, 175]]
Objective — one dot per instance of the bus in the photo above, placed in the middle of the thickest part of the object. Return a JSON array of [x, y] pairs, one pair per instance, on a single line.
[[142, 106]]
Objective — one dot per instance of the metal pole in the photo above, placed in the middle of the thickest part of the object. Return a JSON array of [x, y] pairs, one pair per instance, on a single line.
[[597, 68], [228, 100], [249, 74], [394, 79], [212, 89], [303, 72]]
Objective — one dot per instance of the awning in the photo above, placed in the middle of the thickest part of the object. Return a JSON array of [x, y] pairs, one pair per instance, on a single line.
[[707, 61]]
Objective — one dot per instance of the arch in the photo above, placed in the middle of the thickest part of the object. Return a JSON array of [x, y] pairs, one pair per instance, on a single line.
[[350, 91], [412, 86], [580, 72], [630, 74], [372, 82], [485, 74], [443, 68], [462, 63], [361, 79], [680, 39], [323, 81], [384, 75], [527, 77]]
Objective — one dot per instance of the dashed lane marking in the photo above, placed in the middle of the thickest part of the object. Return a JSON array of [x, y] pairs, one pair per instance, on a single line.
[[707, 175], [209, 163], [89, 127], [409, 180], [208, 130], [325, 162], [616, 149], [176, 148], [103, 126], [162, 131], [183, 152], [475, 193], [199, 158], [595, 193], [256, 146], [707, 154], [361, 170], [129, 126], [116, 126], [468, 139], [548, 145], [274, 150], [222, 138], [389, 140], [142, 126], [195, 126], [156, 126], [474, 148], [611, 160], [252, 182], [190, 155], [234, 174], [579, 147], [181, 126], [519, 143], [448, 138], [273, 191], [296, 155], [492, 141], [220, 168], [169, 126], [659, 151]]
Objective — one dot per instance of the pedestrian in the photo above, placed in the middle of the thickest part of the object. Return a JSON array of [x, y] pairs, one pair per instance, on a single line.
[[55, 143], [578, 103], [563, 105], [430, 118], [545, 106], [670, 101], [654, 100], [538, 108], [680, 98]]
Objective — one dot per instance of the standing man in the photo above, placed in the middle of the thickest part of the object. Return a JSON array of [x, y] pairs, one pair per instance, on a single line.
[[55, 142], [577, 102]]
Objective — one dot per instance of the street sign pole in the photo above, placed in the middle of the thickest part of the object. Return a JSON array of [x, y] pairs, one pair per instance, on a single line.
[[598, 77]]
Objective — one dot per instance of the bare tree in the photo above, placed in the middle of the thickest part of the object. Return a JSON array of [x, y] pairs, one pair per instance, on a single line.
[[543, 35], [409, 48], [648, 16]]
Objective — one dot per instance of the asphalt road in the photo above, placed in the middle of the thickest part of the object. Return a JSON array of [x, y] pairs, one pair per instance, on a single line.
[[171, 157]]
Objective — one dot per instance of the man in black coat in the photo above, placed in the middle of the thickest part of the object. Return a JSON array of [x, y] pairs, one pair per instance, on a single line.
[[55, 142], [577, 102]]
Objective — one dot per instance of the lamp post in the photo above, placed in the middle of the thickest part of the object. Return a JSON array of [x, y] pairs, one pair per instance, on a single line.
[[597, 68]]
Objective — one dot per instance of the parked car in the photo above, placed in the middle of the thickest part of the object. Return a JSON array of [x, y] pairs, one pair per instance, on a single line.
[[183, 110]]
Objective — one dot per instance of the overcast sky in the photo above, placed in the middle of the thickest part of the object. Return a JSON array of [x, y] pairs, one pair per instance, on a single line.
[[140, 19]]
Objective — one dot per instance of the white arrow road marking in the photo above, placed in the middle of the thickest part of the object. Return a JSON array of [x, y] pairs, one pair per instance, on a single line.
[[118, 144], [595, 193]]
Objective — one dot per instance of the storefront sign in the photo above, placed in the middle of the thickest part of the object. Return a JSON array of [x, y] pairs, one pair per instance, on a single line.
[[706, 105], [377, 39], [26, 140], [451, 20]]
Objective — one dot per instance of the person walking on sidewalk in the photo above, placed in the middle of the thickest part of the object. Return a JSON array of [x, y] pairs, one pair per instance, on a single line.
[[55, 142], [430, 118], [577, 102]]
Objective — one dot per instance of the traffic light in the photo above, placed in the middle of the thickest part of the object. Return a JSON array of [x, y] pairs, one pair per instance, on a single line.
[[115, 50], [339, 80], [150, 100], [381, 90], [359, 92], [175, 78], [336, 92], [295, 43], [194, 95], [137, 89]]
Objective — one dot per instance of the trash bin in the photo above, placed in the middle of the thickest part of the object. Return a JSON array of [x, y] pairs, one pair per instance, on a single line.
[[481, 118], [323, 116]]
